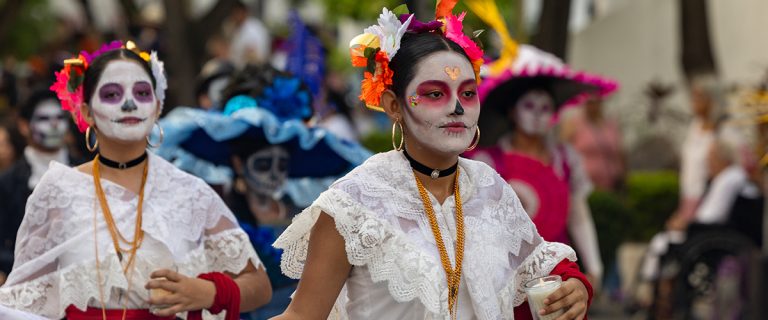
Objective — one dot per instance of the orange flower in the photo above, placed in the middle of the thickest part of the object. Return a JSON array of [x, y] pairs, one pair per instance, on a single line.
[[476, 64], [359, 61], [373, 85]]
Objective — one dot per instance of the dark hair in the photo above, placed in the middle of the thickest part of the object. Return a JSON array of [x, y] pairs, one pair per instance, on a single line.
[[246, 145], [413, 48], [97, 66], [35, 99], [14, 137], [217, 71], [254, 79]]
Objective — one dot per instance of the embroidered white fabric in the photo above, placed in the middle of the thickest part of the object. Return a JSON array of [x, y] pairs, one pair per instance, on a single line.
[[186, 225], [396, 266]]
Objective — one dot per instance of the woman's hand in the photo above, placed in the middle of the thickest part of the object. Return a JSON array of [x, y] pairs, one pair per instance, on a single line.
[[183, 293], [572, 297]]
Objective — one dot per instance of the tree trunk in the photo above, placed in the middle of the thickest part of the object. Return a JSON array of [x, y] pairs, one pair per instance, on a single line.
[[181, 67], [697, 57], [131, 12], [552, 35], [207, 26], [9, 12]]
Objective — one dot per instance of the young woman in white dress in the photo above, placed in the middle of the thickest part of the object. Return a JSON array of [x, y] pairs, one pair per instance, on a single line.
[[418, 232], [98, 238]]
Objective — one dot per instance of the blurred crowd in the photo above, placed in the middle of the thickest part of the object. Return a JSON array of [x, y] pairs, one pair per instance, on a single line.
[[719, 165]]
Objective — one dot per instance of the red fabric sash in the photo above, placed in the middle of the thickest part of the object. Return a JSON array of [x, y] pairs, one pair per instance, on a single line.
[[91, 313], [227, 297]]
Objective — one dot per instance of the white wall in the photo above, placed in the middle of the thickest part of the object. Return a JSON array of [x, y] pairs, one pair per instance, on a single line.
[[638, 42]]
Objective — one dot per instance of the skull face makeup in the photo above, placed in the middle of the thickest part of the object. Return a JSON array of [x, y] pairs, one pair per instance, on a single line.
[[445, 115], [49, 125], [266, 170], [124, 104], [533, 112]]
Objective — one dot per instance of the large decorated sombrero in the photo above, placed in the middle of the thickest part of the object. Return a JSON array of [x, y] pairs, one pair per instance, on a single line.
[[521, 68], [536, 69], [203, 142]]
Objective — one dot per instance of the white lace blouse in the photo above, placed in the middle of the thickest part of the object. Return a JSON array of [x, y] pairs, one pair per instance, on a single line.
[[186, 225], [397, 272]]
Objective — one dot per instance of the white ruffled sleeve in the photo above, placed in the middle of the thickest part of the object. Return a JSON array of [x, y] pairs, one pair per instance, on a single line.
[[227, 246]]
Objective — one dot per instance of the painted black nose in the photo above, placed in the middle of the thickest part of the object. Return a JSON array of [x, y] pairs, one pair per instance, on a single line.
[[128, 106], [458, 110]]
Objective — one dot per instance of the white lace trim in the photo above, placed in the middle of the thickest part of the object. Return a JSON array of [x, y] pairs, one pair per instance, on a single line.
[[540, 263], [377, 211], [227, 251], [390, 257], [368, 242]]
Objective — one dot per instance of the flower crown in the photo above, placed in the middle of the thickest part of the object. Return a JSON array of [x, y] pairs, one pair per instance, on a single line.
[[69, 81], [375, 48]]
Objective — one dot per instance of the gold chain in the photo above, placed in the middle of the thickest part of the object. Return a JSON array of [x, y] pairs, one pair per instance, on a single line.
[[453, 275]]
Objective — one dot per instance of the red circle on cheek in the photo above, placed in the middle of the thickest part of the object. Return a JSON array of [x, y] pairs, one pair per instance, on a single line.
[[470, 102]]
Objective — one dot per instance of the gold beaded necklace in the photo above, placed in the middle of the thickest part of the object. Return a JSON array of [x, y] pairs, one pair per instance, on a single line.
[[115, 234], [117, 237], [453, 275]]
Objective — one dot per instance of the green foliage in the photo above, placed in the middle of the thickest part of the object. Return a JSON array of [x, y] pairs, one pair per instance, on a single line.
[[610, 214], [653, 197], [636, 215], [28, 34], [360, 10], [378, 141]]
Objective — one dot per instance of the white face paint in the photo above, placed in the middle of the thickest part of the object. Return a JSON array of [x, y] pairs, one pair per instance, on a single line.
[[442, 106], [49, 125], [533, 112], [266, 170], [216, 90], [124, 105]]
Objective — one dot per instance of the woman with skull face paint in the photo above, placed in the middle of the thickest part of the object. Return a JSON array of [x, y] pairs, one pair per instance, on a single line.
[[418, 232], [44, 125], [523, 99], [127, 232]]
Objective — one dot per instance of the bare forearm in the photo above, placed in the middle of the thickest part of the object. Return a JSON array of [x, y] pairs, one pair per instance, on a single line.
[[255, 289]]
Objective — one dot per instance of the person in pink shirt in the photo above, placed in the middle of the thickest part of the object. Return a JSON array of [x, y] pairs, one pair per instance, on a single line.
[[598, 141], [548, 177]]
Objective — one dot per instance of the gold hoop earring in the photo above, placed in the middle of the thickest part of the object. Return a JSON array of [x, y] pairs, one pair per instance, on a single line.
[[88, 140], [402, 135], [475, 141], [162, 137]]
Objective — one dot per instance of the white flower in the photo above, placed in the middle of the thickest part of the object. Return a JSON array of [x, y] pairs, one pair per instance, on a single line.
[[389, 31], [161, 82]]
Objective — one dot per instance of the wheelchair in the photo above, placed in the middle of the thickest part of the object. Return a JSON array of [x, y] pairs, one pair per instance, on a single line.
[[712, 275]]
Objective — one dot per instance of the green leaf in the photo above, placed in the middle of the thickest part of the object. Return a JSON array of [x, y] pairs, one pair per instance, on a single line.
[[370, 53], [74, 82], [401, 9]]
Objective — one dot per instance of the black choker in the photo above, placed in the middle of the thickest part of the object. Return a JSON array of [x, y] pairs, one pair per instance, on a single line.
[[432, 173], [122, 165]]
